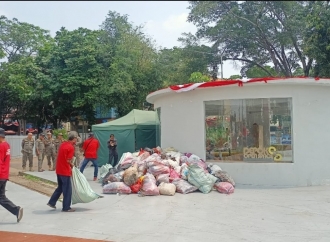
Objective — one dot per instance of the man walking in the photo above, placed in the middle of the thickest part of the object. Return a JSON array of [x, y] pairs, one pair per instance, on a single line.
[[90, 147], [64, 166], [112, 146], [4, 176], [40, 151], [27, 150], [50, 151]]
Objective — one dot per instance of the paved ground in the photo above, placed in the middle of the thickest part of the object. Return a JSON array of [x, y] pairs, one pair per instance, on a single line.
[[250, 214]]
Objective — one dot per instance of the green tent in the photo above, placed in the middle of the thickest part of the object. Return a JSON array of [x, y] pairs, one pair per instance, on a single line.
[[135, 130]]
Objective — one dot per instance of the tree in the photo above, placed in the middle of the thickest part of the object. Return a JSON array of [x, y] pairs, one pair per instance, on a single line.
[[133, 72], [196, 77], [255, 32], [233, 77], [317, 38], [256, 71], [20, 38]]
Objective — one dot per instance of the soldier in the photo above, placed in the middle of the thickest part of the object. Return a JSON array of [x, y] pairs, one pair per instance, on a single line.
[[58, 142], [40, 151], [77, 150], [50, 151], [27, 150]]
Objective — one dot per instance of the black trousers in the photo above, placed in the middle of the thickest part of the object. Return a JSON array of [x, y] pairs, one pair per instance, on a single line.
[[4, 201], [63, 186], [113, 155]]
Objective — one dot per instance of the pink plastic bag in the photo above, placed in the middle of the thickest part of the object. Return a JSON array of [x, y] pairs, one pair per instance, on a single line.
[[149, 187], [163, 178], [144, 156], [159, 169], [224, 187], [173, 174], [203, 165], [183, 186], [116, 187], [126, 160]]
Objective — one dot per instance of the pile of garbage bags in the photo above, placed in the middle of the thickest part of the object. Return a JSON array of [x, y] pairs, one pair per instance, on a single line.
[[152, 172]]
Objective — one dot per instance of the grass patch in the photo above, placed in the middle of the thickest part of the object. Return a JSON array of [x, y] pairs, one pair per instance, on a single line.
[[37, 179]]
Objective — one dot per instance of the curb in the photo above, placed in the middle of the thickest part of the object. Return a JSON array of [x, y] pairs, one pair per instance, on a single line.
[[22, 173]]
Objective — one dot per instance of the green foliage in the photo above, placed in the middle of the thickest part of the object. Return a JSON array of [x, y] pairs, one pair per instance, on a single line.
[[255, 32], [317, 39], [233, 77], [62, 131], [196, 77], [20, 39], [255, 72]]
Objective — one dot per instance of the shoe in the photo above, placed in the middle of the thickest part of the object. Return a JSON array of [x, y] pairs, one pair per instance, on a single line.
[[19, 214], [51, 206], [30, 169], [70, 210], [95, 179], [41, 170]]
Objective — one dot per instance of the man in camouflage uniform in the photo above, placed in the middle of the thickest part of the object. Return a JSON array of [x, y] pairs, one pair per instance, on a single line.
[[59, 140], [77, 150], [50, 151], [40, 151], [27, 151]]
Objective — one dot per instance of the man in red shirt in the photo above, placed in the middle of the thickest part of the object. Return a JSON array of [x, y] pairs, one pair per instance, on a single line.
[[64, 166], [90, 147], [4, 175]]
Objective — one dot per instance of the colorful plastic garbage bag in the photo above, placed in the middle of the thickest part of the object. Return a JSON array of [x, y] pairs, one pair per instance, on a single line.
[[224, 187], [149, 187], [167, 189], [183, 186], [81, 190], [116, 187], [204, 181]]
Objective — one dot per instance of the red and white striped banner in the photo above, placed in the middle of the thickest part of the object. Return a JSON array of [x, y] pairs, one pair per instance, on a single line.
[[186, 87], [192, 86]]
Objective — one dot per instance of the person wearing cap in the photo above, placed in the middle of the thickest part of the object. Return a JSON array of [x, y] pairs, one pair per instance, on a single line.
[[50, 151], [77, 150], [4, 176], [40, 151], [90, 148], [58, 141], [63, 171], [27, 151]]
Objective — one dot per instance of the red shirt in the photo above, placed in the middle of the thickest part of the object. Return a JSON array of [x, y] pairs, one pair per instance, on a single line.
[[65, 153], [91, 147], [4, 160]]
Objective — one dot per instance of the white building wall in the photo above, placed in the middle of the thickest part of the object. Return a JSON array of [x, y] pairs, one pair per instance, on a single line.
[[183, 127]]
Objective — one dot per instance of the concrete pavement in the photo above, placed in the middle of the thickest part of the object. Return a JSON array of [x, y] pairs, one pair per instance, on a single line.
[[250, 214]]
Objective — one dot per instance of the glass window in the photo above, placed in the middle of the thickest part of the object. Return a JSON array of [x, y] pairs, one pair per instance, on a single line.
[[249, 130]]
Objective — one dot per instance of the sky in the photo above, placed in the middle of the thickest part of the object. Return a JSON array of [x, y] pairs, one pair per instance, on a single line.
[[164, 21]]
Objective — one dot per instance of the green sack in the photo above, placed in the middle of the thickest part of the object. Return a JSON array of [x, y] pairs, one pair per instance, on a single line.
[[81, 190], [103, 171], [200, 179]]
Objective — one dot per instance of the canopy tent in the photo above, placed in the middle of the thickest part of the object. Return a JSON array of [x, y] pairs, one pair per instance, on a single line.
[[135, 130]]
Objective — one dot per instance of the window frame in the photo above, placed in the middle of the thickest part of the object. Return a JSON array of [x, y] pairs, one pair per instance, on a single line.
[[252, 162]]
